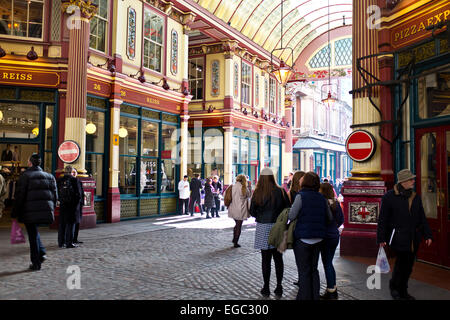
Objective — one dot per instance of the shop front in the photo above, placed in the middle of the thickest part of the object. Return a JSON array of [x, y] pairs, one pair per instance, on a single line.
[[148, 161], [28, 124]]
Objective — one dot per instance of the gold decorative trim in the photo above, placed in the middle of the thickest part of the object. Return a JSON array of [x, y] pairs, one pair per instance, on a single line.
[[87, 8]]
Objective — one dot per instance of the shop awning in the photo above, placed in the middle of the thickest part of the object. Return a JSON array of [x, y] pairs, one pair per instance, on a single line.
[[311, 143]]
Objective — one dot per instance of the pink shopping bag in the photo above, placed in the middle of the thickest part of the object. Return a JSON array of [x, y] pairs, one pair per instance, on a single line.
[[16, 233]]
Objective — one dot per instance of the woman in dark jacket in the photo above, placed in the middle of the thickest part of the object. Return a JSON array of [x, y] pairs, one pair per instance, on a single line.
[[310, 210], [331, 241], [209, 197], [267, 202]]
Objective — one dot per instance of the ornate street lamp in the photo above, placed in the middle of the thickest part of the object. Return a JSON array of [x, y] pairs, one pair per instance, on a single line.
[[283, 72]]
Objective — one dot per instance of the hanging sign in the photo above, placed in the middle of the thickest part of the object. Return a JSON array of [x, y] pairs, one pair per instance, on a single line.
[[360, 145], [69, 151]]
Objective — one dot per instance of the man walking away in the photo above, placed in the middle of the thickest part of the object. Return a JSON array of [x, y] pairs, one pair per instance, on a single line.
[[195, 186], [402, 224], [183, 190], [69, 199], [36, 197]]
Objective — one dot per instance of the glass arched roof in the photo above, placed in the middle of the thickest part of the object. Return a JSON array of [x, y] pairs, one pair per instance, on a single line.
[[260, 21]]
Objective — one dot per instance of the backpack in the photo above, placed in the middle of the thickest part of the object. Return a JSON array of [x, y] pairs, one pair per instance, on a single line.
[[227, 198], [66, 192]]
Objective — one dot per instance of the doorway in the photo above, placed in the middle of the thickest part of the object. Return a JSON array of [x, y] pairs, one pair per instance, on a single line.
[[432, 183], [13, 161]]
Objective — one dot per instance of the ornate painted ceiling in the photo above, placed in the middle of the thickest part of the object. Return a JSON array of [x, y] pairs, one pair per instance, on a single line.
[[302, 22]]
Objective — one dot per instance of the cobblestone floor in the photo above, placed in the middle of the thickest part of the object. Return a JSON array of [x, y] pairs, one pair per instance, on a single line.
[[172, 258]]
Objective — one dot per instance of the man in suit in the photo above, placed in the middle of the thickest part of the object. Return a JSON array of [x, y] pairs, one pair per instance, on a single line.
[[7, 154], [79, 209], [196, 187]]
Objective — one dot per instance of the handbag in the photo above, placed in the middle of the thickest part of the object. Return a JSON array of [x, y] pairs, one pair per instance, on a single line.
[[16, 233]]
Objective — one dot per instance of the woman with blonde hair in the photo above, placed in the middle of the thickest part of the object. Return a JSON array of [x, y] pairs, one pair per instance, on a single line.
[[238, 208]]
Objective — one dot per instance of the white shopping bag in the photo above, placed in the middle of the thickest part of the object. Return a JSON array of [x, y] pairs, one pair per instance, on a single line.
[[382, 261]]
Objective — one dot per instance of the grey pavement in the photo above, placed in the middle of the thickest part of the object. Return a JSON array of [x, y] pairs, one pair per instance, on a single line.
[[170, 258]]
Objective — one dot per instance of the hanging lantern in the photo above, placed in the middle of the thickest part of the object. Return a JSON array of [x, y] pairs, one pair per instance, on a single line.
[[123, 132], [91, 128], [282, 73], [330, 100], [1, 115]]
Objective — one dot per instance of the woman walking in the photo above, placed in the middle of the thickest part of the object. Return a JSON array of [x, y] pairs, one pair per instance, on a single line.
[[209, 198], [267, 202], [310, 209], [295, 185], [238, 209], [329, 244]]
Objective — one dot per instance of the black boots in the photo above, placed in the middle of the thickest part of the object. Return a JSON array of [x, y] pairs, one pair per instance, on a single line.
[[330, 295], [278, 291], [265, 291]]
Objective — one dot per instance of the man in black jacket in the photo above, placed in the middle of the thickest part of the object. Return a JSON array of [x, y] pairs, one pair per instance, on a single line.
[[79, 209], [36, 197], [217, 191], [195, 186], [402, 224], [69, 199]]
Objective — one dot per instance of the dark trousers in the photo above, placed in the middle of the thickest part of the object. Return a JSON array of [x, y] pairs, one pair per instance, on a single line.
[[75, 233], [217, 208], [185, 203], [66, 232], [195, 199], [402, 271], [307, 259], [37, 250], [327, 250], [237, 230], [266, 256]]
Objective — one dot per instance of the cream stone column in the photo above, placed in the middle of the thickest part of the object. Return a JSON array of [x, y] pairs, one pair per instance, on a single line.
[[262, 143], [184, 136], [114, 150], [80, 12], [228, 155]]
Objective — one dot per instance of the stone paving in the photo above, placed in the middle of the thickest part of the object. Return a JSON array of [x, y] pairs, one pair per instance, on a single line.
[[168, 258]]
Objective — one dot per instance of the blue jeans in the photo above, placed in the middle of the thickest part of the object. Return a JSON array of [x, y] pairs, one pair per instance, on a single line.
[[327, 250]]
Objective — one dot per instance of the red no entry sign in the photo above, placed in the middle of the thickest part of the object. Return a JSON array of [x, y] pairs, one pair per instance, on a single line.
[[68, 151], [360, 145]]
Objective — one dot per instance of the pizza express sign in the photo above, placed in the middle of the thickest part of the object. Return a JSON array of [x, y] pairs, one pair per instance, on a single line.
[[416, 29]]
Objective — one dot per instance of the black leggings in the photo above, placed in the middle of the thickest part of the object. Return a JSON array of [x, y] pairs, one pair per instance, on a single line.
[[237, 230], [267, 265]]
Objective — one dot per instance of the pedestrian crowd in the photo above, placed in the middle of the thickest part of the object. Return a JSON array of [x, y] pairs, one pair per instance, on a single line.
[[303, 214]]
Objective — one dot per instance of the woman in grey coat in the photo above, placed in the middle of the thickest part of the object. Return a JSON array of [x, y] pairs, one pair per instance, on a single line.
[[238, 209]]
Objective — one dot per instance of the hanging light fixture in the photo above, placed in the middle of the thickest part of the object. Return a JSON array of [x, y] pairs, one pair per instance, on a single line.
[[123, 132], [330, 99], [284, 71], [48, 123], [91, 128]]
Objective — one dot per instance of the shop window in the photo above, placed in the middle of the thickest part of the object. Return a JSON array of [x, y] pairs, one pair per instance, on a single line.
[[169, 153], [266, 95], [196, 76], [153, 40], [246, 82], [98, 25], [22, 18], [19, 121], [272, 94], [128, 152], [434, 95], [95, 146], [149, 177], [235, 150], [149, 132], [213, 152]]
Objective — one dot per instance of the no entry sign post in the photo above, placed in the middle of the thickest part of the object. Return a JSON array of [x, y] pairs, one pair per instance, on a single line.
[[69, 151], [360, 145]]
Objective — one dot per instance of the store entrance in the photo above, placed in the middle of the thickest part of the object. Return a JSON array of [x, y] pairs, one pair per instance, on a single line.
[[13, 160], [432, 183]]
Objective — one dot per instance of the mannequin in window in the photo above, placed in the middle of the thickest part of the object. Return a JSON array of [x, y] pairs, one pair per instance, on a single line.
[[7, 154]]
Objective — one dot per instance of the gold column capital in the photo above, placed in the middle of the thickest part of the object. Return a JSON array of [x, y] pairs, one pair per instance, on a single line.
[[87, 9]]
